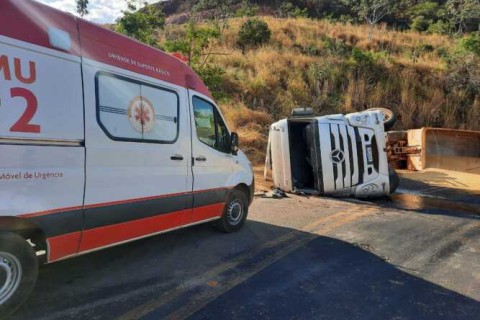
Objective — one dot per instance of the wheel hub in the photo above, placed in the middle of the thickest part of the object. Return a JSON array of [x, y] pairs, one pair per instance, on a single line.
[[235, 212], [10, 276]]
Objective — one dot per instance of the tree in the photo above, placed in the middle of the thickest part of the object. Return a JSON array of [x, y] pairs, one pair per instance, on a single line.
[[196, 45], [288, 10], [464, 14], [423, 15], [371, 11], [82, 7], [142, 23]]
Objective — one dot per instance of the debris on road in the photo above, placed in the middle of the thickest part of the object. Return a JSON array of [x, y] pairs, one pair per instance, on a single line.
[[274, 194]]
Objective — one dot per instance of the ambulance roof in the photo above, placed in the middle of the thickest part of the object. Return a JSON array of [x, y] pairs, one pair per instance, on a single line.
[[35, 23]]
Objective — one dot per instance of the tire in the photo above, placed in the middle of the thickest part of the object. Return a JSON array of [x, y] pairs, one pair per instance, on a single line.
[[18, 272], [394, 180], [235, 212], [303, 112], [390, 117]]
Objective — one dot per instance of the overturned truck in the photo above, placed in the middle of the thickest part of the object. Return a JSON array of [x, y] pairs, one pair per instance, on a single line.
[[332, 155]]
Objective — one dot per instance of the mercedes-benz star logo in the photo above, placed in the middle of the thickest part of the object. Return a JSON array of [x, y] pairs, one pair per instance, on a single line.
[[337, 156]]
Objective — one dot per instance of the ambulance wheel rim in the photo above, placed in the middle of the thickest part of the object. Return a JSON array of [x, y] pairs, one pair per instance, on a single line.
[[10, 276], [235, 212]]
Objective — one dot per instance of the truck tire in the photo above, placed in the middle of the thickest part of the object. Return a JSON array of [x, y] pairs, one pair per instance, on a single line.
[[303, 112], [390, 117], [18, 272], [394, 180], [235, 212]]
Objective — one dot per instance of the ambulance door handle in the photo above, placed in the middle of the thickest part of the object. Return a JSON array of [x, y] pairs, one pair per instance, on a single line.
[[176, 157], [201, 158]]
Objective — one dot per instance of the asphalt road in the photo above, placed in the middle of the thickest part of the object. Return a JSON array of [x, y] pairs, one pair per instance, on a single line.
[[296, 258]]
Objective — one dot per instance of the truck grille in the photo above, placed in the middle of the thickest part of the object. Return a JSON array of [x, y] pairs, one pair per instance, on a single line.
[[346, 156]]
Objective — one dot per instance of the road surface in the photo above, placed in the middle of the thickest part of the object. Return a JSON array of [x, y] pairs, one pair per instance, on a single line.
[[415, 255]]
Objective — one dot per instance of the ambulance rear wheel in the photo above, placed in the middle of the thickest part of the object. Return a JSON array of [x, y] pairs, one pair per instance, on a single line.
[[18, 272], [235, 212]]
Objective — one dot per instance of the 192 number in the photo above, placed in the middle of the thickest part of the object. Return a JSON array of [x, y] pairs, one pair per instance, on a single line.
[[23, 124]]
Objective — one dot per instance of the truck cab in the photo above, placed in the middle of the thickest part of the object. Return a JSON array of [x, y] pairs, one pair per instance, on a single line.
[[337, 155]]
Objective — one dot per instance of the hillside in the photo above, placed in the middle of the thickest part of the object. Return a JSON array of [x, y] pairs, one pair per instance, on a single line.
[[335, 68]]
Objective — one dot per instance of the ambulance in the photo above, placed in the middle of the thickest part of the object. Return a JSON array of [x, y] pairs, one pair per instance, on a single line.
[[103, 140]]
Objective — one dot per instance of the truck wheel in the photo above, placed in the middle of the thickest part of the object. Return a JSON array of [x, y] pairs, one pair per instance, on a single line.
[[393, 179], [235, 212], [390, 117], [18, 272]]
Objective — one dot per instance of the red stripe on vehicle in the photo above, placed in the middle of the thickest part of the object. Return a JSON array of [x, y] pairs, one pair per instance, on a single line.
[[64, 245], [109, 235], [104, 236], [207, 212]]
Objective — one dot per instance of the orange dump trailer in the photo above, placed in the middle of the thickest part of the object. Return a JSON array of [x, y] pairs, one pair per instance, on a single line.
[[448, 149]]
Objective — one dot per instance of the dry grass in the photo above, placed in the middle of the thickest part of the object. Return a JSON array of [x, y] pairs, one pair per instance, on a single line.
[[309, 62], [252, 127]]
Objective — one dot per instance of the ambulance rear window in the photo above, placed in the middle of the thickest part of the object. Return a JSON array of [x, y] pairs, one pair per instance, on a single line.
[[130, 110]]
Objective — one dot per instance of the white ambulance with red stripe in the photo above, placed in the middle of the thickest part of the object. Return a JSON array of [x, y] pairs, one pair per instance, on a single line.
[[103, 140]]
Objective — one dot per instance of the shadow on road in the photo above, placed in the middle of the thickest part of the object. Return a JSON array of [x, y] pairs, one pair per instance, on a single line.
[[322, 278]]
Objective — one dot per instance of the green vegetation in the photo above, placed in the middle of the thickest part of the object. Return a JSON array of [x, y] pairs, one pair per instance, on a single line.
[[141, 22], [260, 68], [82, 7], [253, 33], [433, 16]]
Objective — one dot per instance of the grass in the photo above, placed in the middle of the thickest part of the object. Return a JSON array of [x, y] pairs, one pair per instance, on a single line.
[[335, 68]]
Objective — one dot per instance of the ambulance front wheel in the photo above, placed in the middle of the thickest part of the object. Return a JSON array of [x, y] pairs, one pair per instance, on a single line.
[[18, 272], [235, 212]]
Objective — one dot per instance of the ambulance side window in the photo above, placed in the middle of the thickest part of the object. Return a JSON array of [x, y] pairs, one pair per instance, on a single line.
[[114, 97], [130, 110], [210, 127]]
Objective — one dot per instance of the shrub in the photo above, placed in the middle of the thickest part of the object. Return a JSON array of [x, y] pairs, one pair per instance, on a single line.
[[253, 33], [420, 24], [335, 46], [247, 10], [212, 75], [471, 44], [443, 53], [441, 27], [288, 10], [464, 73], [363, 58]]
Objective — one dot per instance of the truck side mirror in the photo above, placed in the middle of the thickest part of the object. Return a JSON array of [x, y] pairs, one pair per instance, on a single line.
[[234, 143]]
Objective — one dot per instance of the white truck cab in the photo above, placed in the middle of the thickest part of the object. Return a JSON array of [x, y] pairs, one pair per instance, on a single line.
[[331, 155], [103, 140]]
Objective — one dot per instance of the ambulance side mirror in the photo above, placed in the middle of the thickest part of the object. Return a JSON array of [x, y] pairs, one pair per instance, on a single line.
[[234, 143]]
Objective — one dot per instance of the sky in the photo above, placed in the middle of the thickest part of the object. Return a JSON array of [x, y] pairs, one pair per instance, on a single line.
[[101, 11]]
